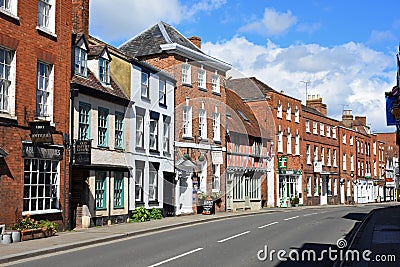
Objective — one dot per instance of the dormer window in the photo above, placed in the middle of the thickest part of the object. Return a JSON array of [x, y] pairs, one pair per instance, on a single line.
[[81, 58], [104, 70]]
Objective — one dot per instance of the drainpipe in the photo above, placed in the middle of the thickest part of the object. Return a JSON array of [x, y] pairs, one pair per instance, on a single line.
[[74, 92]]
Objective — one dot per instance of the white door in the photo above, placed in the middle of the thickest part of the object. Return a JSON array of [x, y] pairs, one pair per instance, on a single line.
[[342, 199], [324, 190], [229, 196]]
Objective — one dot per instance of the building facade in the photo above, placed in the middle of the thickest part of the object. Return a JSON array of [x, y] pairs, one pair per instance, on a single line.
[[34, 110], [200, 99]]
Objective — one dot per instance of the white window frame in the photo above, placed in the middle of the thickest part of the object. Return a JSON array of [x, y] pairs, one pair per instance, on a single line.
[[321, 129], [186, 74], [84, 121], [166, 137], [315, 127], [216, 178], [351, 141], [323, 155], [344, 138], [279, 110], [153, 134], [280, 140], [315, 154], [307, 126], [288, 113], [80, 61], [144, 84], [44, 91], [203, 124], [50, 195], [187, 121], [216, 126], [329, 162], [328, 131], [139, 131], [162, 92], [308, 154], [9, 8], [334, 132], [104, 70], [344, 162], [46, 16], [7, 82], [309, 194], [153, 183], [102, 126], [334, 158], [139, 173], [296, 115], [335, 187], [297, 146], [289, 142], [119, 130], [352, 163], [215, 83], [201, 78]]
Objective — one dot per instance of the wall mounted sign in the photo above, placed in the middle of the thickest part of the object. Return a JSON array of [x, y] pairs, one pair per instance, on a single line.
[[41, 132], [83, 151], [42, 152]]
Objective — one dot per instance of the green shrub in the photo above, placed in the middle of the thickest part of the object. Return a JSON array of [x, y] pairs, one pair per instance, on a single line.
[[155, 214], [140, 214]]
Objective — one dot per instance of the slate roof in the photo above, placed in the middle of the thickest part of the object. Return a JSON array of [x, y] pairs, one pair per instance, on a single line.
[[91, 85], [148, 42], [95, 51], [249, 88], [312, 111], [236, 122]]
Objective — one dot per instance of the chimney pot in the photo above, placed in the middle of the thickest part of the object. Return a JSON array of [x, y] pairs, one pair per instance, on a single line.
[[196, 41]]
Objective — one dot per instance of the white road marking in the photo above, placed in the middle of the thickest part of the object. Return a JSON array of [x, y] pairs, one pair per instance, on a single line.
[[260, 227], [310, 214], [176, 257], [291, 218], [229, 238]]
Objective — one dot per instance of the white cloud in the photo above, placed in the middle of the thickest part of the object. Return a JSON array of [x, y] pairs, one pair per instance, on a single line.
[[273, 23], [381, 36], [349, 74], [124, 19]]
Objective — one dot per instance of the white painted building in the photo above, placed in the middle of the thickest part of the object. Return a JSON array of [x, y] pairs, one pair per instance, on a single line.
[[151, 147]]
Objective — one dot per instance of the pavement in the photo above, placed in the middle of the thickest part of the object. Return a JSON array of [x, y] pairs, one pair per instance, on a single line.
[[84, 237], [379, 233]]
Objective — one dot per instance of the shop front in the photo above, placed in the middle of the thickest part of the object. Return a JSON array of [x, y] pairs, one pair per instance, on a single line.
[[289, 188]]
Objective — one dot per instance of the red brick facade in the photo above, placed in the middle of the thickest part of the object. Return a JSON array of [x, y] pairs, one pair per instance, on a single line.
[[29, 44]]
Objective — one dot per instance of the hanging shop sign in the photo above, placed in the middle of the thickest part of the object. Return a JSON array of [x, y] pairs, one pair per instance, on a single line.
[[217, 157], [43, 152], [41, 132], [392, 110], [83, 152], [289, 172], [282, 162]]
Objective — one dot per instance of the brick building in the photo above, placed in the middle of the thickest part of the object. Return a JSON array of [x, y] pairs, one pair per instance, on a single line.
[[35, 53], [199, 110], [321, 155]]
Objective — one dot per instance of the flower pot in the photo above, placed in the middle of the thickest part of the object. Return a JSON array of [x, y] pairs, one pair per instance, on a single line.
[[6, 239], [16, 236]]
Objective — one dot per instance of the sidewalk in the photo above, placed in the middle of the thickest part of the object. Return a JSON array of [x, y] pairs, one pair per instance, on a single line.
[[380, 233], [84, 237]]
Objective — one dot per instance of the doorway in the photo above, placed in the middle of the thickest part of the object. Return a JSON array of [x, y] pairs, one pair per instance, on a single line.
[[169, 193]]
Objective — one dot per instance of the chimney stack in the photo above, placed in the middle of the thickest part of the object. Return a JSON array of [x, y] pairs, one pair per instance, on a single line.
[[361, 119], [80, 16], [196, 41], [315, 102], [347, 118]]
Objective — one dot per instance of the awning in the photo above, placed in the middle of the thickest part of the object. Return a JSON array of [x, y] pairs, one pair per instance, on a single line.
[[3, 153]]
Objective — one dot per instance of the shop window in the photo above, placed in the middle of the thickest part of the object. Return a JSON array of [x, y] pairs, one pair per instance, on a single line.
[[41, 186]]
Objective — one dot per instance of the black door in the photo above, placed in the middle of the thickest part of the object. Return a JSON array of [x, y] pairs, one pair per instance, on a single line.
[[169, 194]]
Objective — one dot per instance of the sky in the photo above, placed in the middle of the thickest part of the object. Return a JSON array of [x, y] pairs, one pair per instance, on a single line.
[[343, 50]]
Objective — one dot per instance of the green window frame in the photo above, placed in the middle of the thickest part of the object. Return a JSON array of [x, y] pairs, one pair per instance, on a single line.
[[101, 190], [119, 130], [118, 190], [84, 121], [102, 127]]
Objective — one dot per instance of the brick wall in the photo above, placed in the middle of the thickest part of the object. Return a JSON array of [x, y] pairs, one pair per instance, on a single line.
[[31, 45]]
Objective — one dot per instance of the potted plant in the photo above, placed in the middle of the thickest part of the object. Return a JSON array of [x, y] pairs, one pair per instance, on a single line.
[[295, 201]]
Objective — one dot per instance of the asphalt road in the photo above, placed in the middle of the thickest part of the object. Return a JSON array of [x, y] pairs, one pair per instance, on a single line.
[[241, 241]]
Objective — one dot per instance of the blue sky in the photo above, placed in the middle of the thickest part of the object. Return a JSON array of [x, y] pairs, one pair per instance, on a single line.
[[346, 49]]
